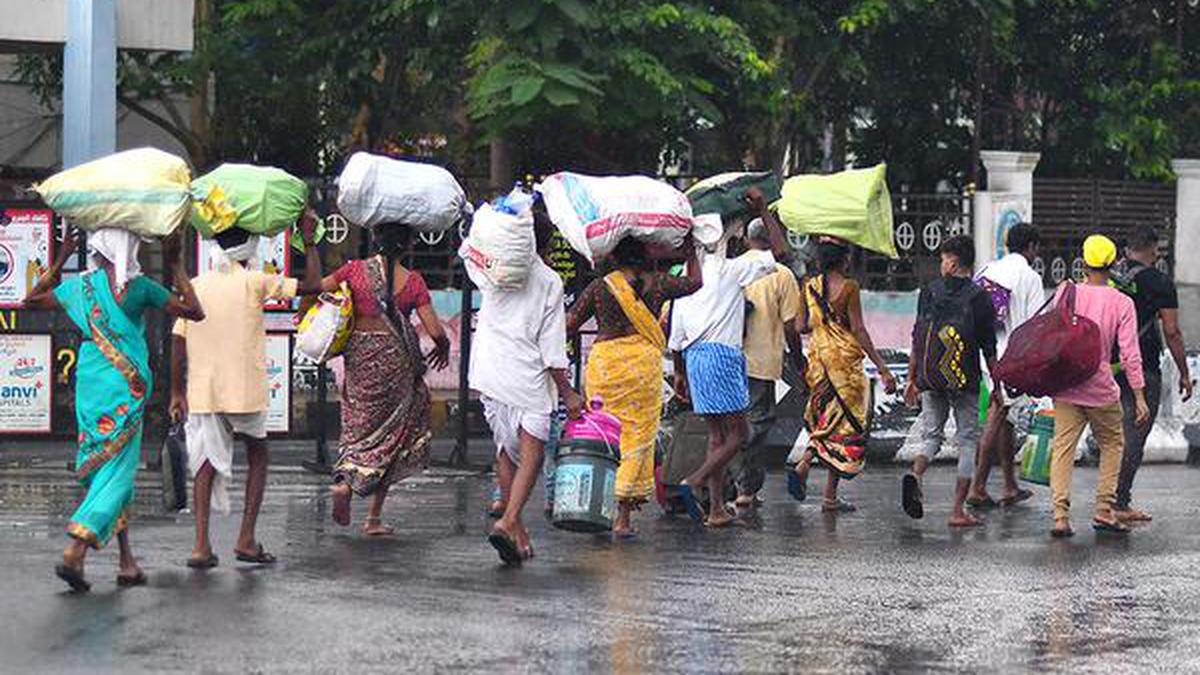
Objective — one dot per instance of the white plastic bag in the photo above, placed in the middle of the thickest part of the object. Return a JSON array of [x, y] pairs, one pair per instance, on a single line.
[[594, 214], [326, 327], [500, 248], [374, 190]]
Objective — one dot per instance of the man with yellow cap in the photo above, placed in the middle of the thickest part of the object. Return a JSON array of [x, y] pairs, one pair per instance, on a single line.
[[1097, 400]]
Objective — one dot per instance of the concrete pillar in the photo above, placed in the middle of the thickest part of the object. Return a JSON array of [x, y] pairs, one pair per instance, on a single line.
[[1007, 201], [1187, 218], [89, 81]]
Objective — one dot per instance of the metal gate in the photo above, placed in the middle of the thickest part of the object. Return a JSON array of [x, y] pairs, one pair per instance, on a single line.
[[921, 223], [1066, 211]]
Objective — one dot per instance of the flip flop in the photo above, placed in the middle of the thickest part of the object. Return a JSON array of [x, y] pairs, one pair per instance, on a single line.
[[689, 502], [128, 582], [506, 546], [988, 503], [796, 487], [259, 557], [1114, 527], [73, 577], [496, 509], [204, 563], [527, 553], [1012, 500], [1133, 516], [910, 497], [1062, 534]]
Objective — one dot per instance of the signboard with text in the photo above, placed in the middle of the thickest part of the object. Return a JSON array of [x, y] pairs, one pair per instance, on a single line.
[[279, 383], [25, 383], [24, 251]]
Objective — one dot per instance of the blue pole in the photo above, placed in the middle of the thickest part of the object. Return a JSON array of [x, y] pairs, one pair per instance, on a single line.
[[89, 81]]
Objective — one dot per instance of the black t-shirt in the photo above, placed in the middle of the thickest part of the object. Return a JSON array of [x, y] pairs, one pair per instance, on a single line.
[[983, 317], [1151, 291]]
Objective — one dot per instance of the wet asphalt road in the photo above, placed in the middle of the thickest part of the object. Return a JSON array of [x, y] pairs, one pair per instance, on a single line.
[[795, 591]]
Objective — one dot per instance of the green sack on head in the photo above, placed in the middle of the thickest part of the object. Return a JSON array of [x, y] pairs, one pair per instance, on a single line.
[[723, 193], [259, 199], [853, 205]]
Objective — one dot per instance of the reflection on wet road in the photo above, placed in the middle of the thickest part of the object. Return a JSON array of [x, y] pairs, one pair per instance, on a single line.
[[793, 591]]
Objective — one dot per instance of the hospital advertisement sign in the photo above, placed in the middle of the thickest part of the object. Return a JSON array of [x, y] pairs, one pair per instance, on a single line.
[[25, 383]]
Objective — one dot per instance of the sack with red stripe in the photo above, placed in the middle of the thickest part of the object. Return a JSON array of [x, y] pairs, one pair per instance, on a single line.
[[595, 213]]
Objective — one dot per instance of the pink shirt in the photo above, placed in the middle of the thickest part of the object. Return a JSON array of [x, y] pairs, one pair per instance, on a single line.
[[1114, 313]]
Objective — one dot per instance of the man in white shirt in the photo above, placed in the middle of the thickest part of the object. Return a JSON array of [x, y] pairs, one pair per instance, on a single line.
[[518, 361], [710, 368], [1017, 295]]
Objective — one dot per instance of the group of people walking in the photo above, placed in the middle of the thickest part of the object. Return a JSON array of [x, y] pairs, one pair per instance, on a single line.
[[728, 321]]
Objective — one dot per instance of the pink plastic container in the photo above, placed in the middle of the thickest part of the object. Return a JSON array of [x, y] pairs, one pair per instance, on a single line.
[[595, 424]]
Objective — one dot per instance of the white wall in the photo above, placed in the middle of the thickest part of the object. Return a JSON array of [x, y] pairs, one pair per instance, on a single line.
[[141, 24]]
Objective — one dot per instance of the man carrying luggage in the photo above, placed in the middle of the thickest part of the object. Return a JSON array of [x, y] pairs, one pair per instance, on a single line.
[[955, 324], [1155, 300], [772, 305], [1017, 294], [519, 367], [219, 381]]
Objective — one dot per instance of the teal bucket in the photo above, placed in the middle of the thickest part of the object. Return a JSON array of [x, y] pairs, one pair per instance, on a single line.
[[585, 482]]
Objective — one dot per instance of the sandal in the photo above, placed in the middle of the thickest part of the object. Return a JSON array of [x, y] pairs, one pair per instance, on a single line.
[[1014, 499], [73, 577], [797, 486], [1062, 533], [497, 508], [138, 579], [506, 546], [259, 557], [1132, 515], [985, 503], [1112, 527], [910, 496], [204, 563]]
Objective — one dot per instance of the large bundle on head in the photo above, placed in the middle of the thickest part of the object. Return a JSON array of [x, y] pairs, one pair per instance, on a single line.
[[259, 199], [853, 205], [595, 214], [724, 194], [374, 190], [143, 191], [501, 245]]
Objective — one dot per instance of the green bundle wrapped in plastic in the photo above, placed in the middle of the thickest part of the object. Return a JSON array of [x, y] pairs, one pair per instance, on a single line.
[[724, 193], [259, 199], [853, 205]]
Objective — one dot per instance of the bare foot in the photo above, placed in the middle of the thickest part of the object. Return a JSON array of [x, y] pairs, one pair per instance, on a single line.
[[341, 504], [965, 520], [1132, 515], [375, 527]]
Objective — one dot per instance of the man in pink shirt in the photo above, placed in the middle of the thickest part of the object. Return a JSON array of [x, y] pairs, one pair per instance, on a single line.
[[1097, 401]]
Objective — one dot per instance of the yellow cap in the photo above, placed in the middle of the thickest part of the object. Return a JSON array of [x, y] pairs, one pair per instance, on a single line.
[[1099, 251]]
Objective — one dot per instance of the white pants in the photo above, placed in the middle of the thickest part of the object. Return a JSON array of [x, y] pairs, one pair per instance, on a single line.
[[507, 422], [210, 439]]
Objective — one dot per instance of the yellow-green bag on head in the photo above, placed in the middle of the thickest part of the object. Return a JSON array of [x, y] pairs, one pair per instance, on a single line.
[[853, 205], [259, 199], [143, 191]]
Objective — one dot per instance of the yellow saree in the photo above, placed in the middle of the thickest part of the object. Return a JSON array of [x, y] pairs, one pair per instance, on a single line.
[[836, 411], [626, 374]]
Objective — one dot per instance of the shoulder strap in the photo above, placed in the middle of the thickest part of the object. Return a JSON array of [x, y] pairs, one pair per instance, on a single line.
[[403, 332]]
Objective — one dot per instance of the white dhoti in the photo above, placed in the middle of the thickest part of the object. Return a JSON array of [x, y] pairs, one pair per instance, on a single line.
[[210, 439]]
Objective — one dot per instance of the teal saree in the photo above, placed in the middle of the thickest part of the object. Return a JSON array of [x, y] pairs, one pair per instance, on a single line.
[[113, 384]]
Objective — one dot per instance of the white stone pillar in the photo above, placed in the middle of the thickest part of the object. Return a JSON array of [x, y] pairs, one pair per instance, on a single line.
[[1187, 218], [1009, 199]]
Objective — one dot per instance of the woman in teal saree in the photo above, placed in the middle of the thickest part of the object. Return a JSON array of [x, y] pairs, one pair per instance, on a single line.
[[113, 383]]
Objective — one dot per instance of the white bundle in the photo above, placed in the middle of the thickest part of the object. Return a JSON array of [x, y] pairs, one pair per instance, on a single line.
[[374, 190], [595, 214], [500, 248]]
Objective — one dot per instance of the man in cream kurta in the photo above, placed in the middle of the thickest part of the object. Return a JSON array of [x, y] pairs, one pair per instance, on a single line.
[[226, 392]]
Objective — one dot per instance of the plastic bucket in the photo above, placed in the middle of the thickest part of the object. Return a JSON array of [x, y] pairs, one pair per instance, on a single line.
[[1035, 454], [585, 481]]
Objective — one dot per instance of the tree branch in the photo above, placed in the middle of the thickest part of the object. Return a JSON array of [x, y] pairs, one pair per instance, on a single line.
[[177, 131]]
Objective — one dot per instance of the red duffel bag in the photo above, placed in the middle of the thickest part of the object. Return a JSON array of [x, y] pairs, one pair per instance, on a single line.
[[1051, 352]]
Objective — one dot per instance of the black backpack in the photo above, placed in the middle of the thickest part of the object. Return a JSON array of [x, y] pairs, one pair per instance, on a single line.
[[945, 341]]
